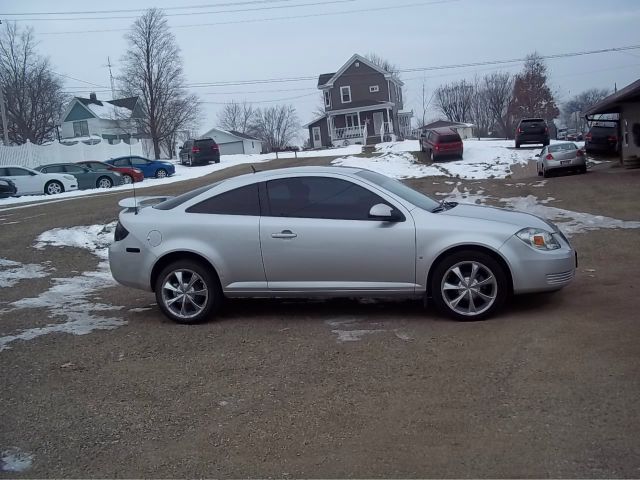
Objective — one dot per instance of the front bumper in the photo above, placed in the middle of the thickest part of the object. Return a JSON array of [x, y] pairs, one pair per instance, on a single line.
[[539, 271]]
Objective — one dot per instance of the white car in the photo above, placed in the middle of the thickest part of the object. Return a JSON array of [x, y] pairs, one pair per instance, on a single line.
[[32, 182]]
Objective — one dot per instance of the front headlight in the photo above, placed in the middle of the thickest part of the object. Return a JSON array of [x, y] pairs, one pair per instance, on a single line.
[[538, 239]]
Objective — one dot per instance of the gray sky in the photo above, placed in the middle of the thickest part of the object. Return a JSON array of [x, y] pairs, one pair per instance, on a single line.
[[411, 34]]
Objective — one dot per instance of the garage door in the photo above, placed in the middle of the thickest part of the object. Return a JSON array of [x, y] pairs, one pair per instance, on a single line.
[[231, 148]]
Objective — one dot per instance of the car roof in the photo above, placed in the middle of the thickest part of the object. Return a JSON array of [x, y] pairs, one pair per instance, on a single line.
[[444, 131]]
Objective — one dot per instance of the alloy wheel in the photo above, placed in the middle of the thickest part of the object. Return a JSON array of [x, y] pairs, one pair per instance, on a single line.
[[104, 182], [127, 179], [469, 288], [161, 173], [184, 293], [54, 188]]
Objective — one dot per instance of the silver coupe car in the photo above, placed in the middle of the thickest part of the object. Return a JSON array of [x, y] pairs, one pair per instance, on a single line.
[[331, 232], [561, 157]]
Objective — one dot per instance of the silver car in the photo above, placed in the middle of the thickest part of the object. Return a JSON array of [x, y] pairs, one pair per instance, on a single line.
[[561, 157], [331, 232]]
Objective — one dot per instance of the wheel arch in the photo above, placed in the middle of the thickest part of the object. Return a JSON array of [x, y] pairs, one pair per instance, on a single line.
[[171, 257], [471, 247]]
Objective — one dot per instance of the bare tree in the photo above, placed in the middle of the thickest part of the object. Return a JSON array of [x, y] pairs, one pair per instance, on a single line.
[[454, 101], [498, 89], [237, 116], [153, 71], [572, 109], [276, 126], [383, 63], [33, 94], [480, 115]]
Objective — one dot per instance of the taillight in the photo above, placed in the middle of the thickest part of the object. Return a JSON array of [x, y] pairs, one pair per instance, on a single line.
[[437, 145], [546, 129], [519, 130], [612, 138], [549, 156], [120, 232], [195, 149], [580, 153], [588, 137], [214, 147]]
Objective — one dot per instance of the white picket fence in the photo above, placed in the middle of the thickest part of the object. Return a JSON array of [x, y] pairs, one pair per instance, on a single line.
[[30, 155]]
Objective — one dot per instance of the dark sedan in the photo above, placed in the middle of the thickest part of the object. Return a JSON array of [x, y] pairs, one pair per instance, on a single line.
[[7, 188], [86, 177], [129, 174]]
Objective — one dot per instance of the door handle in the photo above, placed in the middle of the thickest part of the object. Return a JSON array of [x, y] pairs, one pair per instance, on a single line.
[[284, 234]]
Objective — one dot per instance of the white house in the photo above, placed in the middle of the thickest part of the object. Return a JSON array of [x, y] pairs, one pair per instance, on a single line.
[[90, 118], [233, 142]]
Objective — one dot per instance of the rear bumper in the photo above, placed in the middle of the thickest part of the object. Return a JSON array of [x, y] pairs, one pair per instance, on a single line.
[[600, 147], [579, 162], [532, 138]]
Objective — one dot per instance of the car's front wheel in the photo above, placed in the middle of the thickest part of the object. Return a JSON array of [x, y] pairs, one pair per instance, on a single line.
[[53, 187], [188, 293], [104, 182], [127, 179], [469, 285], [161, 173]]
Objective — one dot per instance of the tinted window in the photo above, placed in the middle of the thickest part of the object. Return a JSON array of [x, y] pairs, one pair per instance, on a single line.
[[139, 161], [180, 199], [400, 189], [53, 169], [74, 169], [602, 131], [562, 147], [239, 201], [96, 166], [18, 172], [121, 162], [320, 197], [532, 120], [449, 139], [204, 143]]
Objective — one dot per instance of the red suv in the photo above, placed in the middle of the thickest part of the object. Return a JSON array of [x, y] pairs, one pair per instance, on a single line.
[[129, 174], [441, 142]]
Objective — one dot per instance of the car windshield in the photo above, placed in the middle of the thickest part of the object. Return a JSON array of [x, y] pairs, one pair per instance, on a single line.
[[449, 139], [185, 197], [562, 147], [400, 189]]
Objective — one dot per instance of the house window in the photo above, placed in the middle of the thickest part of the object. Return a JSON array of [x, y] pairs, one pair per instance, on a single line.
[[327, 98], [345, 94], [374, 89], [81, 129], [351, 120]]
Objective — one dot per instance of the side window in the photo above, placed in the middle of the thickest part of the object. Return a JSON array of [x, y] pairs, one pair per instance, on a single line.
[[239, 201], [54, 169], [121, 162], [18, 172], [73, 169], [137, 161], [320, 197]]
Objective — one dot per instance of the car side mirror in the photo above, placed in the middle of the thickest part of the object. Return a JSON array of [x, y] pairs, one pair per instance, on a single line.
[[384, 212]]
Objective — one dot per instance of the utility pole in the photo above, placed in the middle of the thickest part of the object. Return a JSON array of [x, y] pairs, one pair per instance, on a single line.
[[113, 90], [5, 132]]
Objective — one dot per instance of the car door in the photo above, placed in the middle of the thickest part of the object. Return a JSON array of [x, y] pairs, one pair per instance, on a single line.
[[26, 181], [228, 225], [145, 165], [184, 151], [86, 178], [316, 236]]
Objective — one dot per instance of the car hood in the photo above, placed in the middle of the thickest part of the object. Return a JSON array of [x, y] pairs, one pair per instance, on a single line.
[[511, 217]]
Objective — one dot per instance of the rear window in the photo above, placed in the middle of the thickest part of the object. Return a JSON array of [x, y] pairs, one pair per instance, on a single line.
[[185, 197], [449, 139], [532, 120], [563, 147], [204, 142], [602, 130]]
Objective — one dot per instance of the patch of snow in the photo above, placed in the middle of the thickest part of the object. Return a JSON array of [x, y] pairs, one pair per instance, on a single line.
[[403, 146], [570, 222], [109, 111], [354, 335], [466, 197], [71, 298], [395, 165], [140, 309], [15, 460], [12, 272]]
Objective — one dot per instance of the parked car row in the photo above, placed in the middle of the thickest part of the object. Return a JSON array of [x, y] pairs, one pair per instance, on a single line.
[[56, 178]]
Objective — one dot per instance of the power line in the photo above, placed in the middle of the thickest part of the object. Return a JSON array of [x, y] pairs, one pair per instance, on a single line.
[[77, 79], [266, 101], [258, 20], [185, 7], [187, 13]]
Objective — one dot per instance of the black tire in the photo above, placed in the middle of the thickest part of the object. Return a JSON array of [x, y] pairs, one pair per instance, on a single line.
[[545, 173], [104, 182], [216, 161], [161, 173], [208, 281], [583, 169], [545, 144], [489, 272], [53, 187], [127, 179], [517, 145]]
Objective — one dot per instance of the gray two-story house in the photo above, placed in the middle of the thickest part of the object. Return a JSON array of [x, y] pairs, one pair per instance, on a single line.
[[362, 103]]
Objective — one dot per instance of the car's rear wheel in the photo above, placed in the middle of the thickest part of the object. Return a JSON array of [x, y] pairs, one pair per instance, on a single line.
[[187, 292], [469, 285], [127, 179], [161, 173], [583, 169], [53, 187], [517, 145], [104, 182]]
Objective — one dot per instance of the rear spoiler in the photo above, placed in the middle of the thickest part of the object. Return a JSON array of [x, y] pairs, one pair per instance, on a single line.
[[134, 203]]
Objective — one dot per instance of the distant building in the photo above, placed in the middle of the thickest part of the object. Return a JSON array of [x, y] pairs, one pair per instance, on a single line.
[[232, 142], [90, 118]]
